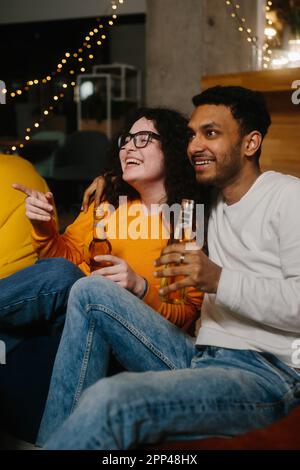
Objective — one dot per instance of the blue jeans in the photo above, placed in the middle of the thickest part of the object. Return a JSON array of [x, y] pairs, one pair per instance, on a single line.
[[173, 390], [35, 298]]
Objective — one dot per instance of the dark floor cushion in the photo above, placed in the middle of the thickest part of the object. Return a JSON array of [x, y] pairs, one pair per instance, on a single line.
[[24, 384]]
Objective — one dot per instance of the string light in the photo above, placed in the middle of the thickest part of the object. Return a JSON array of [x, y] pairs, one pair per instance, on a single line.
[[269, 33], [68, 55], [56, 98], [45, 115], [234, 10]]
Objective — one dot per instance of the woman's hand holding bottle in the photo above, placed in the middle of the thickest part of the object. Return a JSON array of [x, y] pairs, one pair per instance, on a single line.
[[122, 274]]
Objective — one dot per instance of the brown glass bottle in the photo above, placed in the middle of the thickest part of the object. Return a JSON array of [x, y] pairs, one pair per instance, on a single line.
[[99, 245], [182, 233]]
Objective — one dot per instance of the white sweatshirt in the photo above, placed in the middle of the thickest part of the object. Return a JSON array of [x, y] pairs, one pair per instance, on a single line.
[[257, 243]]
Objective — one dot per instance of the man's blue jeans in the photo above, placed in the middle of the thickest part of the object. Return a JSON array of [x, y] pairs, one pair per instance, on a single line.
[[35, 298], [173, 390]]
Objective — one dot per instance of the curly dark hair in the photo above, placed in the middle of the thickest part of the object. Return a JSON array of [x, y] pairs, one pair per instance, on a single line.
[[180, 180], [248, 108]]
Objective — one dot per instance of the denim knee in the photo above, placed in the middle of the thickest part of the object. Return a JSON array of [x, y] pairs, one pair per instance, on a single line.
[[112, 394], [93, 289]]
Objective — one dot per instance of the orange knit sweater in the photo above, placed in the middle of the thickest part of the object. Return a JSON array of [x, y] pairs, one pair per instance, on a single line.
[[139, 253]]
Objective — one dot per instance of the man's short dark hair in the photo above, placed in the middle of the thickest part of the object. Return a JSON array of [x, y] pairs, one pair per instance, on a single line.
[[248, 107]]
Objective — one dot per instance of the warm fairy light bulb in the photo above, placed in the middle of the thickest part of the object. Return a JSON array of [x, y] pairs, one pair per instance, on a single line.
[[30, 83], [55, 98], [91, 56], [27, 137], [44, 80], [73, 83], [12, 94], [99, 43], [114, 17], [59, 66], [65, 85], [21, 146], [36, 82], [80, 59], [103, 36], [270, 32], [82, 69], [67, 54], [64, 61], [14, 148], [46, 112], [48, 78], [114, 7], [75, 55], [72, 72], [89, 46], [91, 33], [96, 30], [19, 92], [241, 29], [110, 23], [233, 15], [4, 91], [249, 39], [87, 38], [36, 124], [28, 129]]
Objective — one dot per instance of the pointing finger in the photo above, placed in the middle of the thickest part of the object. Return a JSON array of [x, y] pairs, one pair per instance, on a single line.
[[23, 189]]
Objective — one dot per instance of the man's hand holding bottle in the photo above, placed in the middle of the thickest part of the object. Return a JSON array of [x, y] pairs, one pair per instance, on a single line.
[[196, 269]]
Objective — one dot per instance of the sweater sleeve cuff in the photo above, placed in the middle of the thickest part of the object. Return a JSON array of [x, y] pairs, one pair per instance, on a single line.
[[228, 287], [47, 232]]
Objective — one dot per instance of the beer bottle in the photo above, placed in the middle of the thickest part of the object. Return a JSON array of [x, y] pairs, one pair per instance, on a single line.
[[99, 245], [182, 233]]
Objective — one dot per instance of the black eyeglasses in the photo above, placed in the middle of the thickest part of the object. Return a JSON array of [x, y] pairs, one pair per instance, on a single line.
[[140, 139]]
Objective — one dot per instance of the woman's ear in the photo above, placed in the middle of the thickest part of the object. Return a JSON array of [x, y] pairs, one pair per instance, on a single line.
[[252, 143]]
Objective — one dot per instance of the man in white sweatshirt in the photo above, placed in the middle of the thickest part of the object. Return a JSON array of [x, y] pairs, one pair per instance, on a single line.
[[243, 369], [252, 276]]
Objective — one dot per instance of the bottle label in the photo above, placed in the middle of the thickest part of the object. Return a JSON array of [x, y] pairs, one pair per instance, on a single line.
[[99, 230], [184, 226]]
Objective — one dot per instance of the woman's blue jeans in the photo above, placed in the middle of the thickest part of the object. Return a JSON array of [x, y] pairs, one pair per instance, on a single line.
[[173, 389]]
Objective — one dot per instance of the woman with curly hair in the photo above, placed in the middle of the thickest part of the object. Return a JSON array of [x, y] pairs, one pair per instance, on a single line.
[[150, 167]]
